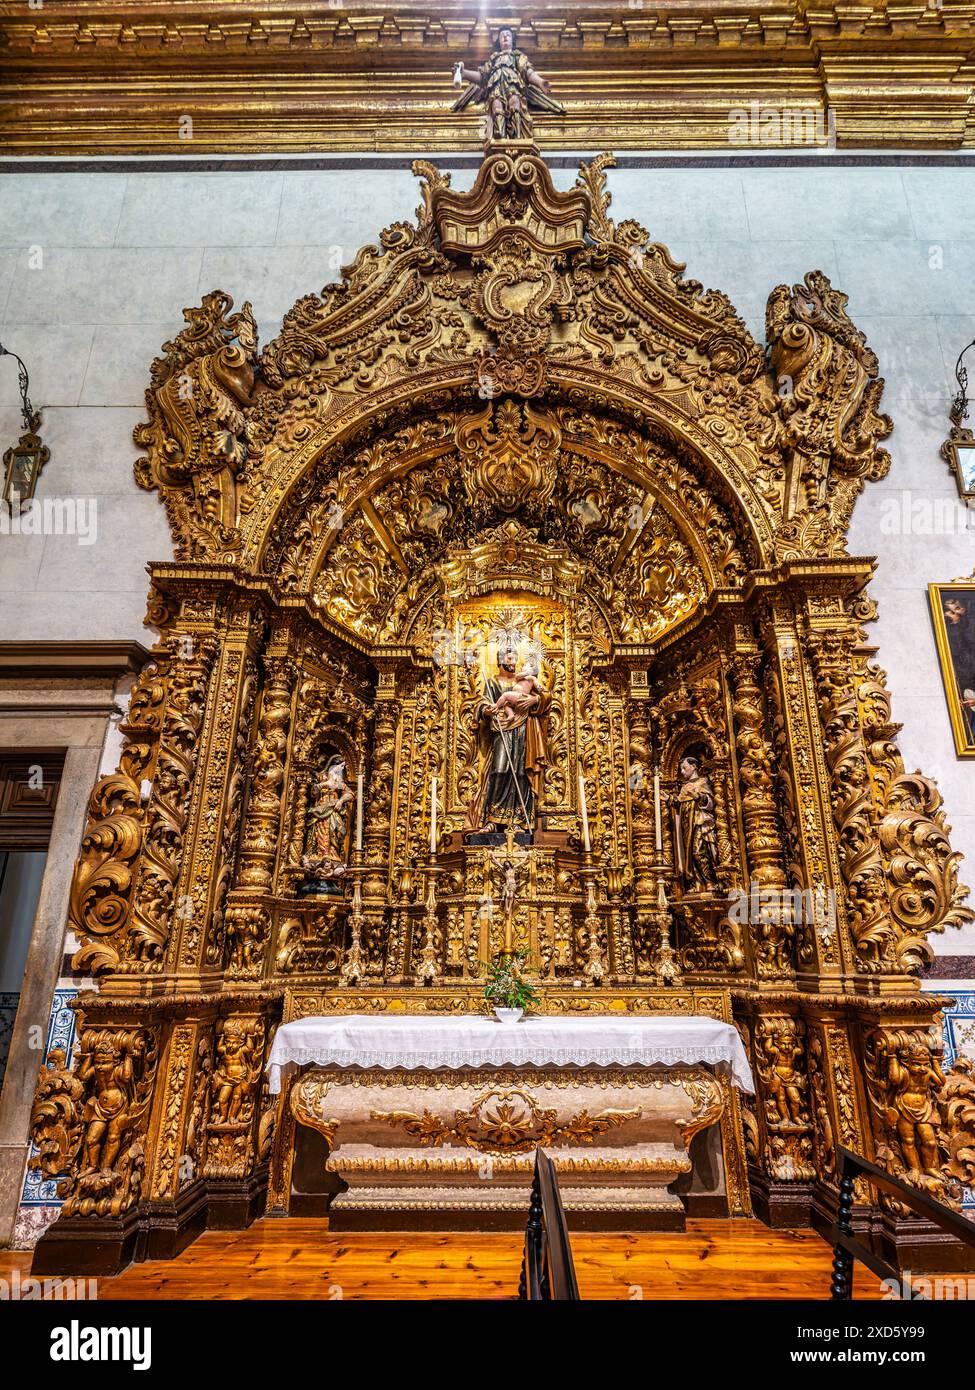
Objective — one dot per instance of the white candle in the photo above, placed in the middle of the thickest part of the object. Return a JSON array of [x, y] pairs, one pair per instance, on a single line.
[[658, 826], [433, 816], [358, 814], [586, 844]]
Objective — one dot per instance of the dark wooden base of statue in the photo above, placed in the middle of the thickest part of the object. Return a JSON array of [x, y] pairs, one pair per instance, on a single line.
[[920, 1247], [908, 1245], [172, 1226], [89, 1246], [781, 1205], [541, 837], [235, 1203], [320, 888], [496, 837]]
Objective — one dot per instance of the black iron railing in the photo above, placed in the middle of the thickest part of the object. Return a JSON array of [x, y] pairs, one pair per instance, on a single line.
[[547, 1272], [847, 1247]]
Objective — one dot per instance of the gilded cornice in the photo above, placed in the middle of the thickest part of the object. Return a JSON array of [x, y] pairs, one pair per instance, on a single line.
[[118, 79]]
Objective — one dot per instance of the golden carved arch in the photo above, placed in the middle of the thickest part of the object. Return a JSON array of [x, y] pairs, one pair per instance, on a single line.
[[422, 322], [399, 514]]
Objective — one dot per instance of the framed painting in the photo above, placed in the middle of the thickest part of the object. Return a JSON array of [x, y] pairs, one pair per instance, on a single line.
[[961, 455], [953, 612]]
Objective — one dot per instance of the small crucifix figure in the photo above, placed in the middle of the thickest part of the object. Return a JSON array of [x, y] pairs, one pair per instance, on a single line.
[[509, 858]]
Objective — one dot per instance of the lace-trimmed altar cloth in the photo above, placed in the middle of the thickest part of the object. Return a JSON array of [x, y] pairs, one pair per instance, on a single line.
[[432, 1041]]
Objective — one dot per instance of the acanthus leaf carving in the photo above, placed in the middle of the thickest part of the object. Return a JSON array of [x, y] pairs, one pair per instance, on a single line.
[[829, 398]]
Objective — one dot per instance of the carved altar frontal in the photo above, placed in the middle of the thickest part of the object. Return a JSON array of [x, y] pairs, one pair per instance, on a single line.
[[511, 619], [455, 1150], [435, 1118]]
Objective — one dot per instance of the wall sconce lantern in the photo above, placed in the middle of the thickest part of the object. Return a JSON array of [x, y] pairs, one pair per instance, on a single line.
[[958, 450], [23, 462]]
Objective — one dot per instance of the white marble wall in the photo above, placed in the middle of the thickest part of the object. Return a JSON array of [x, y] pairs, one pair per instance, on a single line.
[[122, 253]]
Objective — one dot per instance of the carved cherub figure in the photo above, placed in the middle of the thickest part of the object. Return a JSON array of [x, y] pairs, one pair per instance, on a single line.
[[913, 1080], [232, 1080], [783, 1049], [108, 1070], [523, 696]]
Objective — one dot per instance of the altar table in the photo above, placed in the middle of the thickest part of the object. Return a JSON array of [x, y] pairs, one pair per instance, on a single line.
[[432, 1120]]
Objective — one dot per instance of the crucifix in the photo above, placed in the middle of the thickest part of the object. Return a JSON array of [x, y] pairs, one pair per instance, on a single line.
[[509, 858]]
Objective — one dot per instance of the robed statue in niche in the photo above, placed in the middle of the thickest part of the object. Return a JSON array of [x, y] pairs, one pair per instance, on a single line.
[[695, 829], [512, 739], [327, 828], [509, 88]]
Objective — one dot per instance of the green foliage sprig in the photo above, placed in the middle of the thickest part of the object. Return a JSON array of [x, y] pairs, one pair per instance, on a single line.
[[507, 987]]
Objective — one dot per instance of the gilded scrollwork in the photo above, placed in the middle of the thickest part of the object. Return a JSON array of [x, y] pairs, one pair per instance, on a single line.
[[202, 423], [829, 389], [506, 1121]]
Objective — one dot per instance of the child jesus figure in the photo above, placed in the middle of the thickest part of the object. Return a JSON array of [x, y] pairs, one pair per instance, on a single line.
[[521, 698]]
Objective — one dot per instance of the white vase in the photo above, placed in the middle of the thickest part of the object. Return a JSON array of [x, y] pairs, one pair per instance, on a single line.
[[509, 1015]]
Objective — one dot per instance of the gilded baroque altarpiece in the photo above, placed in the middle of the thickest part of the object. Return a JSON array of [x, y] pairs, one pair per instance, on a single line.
[[512, 427]]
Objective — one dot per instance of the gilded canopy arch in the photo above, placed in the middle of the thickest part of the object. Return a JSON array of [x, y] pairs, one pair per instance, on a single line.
[[512, 429], [612, 496], [516, 290]]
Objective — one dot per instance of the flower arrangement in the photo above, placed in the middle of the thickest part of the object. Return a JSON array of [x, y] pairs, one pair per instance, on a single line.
[[507, 987]]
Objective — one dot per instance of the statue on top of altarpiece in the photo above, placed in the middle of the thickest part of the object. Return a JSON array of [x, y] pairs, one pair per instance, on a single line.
[[509, 89], [512, 737]]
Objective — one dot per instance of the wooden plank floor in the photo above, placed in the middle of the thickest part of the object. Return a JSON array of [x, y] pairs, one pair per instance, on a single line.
[[292, 1258]]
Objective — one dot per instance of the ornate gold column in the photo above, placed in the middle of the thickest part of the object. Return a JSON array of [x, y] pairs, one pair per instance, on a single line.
[[259, 844], [849, 789], [640, 781], [822, 939], [763, 839], [378, 816], [772, 932]]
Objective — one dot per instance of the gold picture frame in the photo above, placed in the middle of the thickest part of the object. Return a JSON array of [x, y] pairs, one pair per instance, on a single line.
[[961, 457], [953, 615]]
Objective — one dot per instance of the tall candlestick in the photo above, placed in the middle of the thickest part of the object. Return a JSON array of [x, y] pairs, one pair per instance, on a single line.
[[658, 827], [358, 814], [586, 843], [433, 816]]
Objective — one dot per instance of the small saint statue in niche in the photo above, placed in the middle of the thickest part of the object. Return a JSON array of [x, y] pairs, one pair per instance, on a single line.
[[327, 828], [695, 829], [509, 88]]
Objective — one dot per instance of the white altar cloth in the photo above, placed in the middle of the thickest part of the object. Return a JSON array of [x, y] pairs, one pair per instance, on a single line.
[[414, 1041]]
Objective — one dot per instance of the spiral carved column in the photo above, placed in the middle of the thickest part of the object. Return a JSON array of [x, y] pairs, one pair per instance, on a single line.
[[260, 839]]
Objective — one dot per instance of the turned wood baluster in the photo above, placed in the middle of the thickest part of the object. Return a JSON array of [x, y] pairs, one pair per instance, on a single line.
[[533, 1235], [842, 1285]]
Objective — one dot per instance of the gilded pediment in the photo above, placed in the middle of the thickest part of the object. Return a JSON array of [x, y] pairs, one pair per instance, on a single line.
[[465, 340]]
